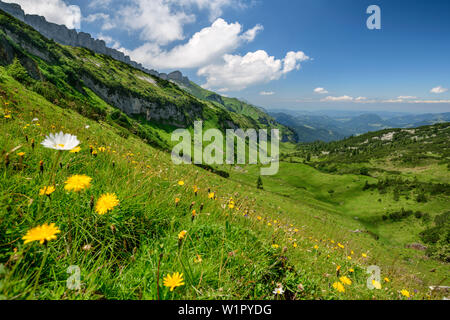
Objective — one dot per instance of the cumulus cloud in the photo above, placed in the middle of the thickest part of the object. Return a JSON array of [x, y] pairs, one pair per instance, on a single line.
[[320, 91], [204, 47], [56, 11], [155, 20], [267, 93], [237, 72], [439, 89]]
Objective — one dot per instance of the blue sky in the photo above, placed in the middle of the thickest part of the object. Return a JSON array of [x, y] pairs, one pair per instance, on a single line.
[[302, 54]]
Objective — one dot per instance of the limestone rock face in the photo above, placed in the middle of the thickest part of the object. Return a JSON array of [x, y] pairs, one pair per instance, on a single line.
[[65, 36], [178, 77], [131, 105]]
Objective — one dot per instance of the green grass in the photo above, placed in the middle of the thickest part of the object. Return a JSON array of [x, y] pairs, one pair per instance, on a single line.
[[119, 253]]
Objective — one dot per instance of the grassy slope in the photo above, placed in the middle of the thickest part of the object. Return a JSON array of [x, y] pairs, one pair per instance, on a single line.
[[339, 172], [238, 260], [65, 66]]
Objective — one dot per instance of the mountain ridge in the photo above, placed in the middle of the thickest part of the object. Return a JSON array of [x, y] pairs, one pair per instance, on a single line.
[[65, 36]]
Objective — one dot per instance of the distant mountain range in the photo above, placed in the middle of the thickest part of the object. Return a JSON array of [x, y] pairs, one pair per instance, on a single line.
[[335, 125]]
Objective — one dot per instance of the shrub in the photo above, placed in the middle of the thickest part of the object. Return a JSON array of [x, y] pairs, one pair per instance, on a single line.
[[18, 72]]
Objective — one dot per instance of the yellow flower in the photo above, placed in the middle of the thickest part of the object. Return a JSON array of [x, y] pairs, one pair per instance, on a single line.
[[376, 284], [195, 189], [295, 245], [259, 218], [405, 293], [21, 154], [174, 280], [341, 246], [75, 150], [42, 233], [345, 280], [349, 258], [182, 234], [177, 200], [275, 246], [106, 203], [339, 287], [211, 195], [387, 280], [295, 230], [8, 116], [338, 268], [364, 255], [78, 182], [269, 224], [181, 183], [46, 191], [101, 149], [316, 247], [351, 270]]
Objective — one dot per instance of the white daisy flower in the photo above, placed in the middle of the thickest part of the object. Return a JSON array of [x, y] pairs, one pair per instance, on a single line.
[[87, 127], [35, 120], [60, 141], [278, 290]]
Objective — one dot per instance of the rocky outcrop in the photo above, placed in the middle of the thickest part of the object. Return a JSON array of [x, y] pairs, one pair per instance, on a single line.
[[134, 105], [70, 37]]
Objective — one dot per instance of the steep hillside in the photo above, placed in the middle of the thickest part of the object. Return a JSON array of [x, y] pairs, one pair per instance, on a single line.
[[229, 241], [100, 87]]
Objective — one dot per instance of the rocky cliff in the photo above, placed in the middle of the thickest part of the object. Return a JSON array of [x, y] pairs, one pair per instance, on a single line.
[[65, 36]]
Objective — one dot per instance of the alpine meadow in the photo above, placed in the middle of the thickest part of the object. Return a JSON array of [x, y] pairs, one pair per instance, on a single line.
[[93, 207]]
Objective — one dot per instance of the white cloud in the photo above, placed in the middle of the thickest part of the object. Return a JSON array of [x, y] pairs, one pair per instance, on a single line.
[[56, 11], [108, 23], [267, 93], [206, 46], [338, 99], [320, 91], [439, 89], [361, 99], [99, 3], [416, 101], [406, 97], [237, 72], [155, 20]]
